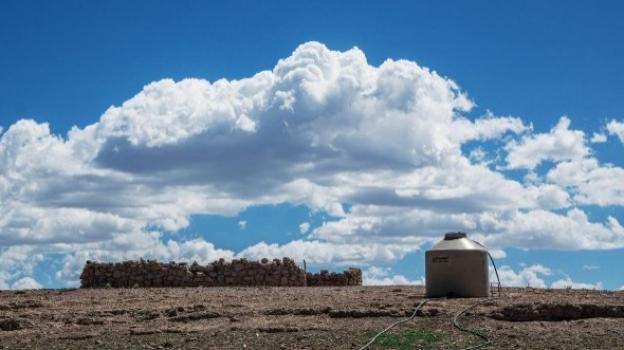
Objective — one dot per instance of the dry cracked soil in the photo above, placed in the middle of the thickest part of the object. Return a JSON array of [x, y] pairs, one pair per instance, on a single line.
[[305, 318]]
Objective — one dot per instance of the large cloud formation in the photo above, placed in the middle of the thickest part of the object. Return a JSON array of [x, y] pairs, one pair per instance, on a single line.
[[323, 128]]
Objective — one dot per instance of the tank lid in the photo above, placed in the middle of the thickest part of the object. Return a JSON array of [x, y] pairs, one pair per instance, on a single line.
[[454, 235], [457, 241]]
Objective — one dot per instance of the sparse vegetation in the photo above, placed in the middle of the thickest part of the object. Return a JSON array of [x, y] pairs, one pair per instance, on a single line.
[[407, 339]]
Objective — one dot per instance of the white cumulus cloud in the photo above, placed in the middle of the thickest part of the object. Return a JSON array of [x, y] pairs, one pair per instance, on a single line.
[[569, 283], [530, 276], [304, 227], [559, 144], [590, 182], [26, 283], [320, 252], [533, 276], [380, 276], [598, 138], [616, 128], [322, 128]]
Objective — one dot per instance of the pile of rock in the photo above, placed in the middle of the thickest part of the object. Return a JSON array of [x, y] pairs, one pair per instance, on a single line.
[[350, 277], [238, 272]]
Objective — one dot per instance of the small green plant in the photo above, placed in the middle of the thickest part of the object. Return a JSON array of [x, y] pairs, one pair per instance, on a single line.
[[407, 339], [108, 286]]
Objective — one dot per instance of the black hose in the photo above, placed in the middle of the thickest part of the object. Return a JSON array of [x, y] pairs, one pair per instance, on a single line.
[[487, 341], [496, 271], [493, 264]]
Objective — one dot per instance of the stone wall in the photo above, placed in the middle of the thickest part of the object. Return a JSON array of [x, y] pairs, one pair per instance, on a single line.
[[350, 277], [238, 272]]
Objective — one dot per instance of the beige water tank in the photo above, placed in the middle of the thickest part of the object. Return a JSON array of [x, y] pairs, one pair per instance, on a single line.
[[457, 267]]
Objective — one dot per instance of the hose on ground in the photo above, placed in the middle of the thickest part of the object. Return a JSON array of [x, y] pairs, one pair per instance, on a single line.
[[486, 341], [372, 340]]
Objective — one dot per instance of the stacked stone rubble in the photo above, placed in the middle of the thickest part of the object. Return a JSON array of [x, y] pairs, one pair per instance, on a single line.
[[238, 272], [350, 277]]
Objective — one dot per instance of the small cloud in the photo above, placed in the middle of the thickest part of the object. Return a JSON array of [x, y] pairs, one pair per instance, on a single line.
[[560, 144], [477, 155], [591, 267], [532, 276], [26, 283], [616, 128], [242, 224], [380, 276], [498, 253], [569, 283], [304, 227], [598, 138], [532, 178]]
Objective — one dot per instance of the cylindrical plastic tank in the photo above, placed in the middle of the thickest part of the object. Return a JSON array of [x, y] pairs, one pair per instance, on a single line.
[[457, 267]]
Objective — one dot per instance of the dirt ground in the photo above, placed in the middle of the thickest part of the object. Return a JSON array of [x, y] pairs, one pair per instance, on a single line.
[[304, 318]]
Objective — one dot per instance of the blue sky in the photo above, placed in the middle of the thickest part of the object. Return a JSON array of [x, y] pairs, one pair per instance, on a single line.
[[160, 177]]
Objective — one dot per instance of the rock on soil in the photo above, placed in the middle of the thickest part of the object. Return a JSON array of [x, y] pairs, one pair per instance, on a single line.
[[17, 305], [298, 312], [146, 315], [278, 329], [15, 323], [194, 316], [555, 312], [363, 313], [88, 321]]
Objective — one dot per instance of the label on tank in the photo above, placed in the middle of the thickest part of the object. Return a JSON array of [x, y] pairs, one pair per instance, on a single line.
[[440, 259]]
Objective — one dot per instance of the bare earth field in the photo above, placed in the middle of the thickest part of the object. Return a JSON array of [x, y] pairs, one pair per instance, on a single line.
[[304, 318]]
